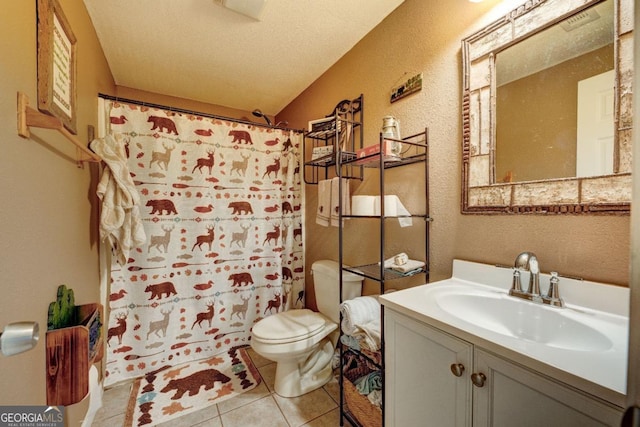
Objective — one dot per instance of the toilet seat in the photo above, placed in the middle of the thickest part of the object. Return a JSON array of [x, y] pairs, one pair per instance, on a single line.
[[289, 326]]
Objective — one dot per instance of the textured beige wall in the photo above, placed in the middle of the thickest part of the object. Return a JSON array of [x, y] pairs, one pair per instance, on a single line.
[[426, 37], [48, 214]]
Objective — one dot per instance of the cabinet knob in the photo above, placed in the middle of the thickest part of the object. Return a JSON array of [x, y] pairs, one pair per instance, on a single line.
[[457, 369], [478, 379]]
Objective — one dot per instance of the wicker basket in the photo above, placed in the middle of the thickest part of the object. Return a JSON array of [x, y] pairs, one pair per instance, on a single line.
[[352, 373], [355, 366], [367, 414]]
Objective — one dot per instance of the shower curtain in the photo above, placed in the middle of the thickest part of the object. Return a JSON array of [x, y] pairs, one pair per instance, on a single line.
[[221, 208]]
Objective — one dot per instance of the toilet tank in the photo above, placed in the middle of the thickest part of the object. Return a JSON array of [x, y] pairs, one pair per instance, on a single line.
[[326, 285]]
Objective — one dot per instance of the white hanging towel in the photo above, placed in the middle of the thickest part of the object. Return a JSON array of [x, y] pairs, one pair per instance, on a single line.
[[120, 220], [324, 203], [338, 199]]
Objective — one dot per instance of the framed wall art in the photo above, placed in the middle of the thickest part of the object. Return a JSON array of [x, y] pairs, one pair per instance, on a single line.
[[56, 64]]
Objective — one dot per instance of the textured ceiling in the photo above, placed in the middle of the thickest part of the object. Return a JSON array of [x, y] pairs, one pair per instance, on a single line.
[[199, 50]]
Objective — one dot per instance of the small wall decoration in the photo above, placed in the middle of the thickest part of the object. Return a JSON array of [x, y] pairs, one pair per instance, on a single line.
[[412, 85], [56, 64]]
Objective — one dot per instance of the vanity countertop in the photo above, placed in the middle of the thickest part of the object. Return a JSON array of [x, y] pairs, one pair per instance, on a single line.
[[600, 372]]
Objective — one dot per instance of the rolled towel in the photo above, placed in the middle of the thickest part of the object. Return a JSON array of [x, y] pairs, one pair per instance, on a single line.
[[361, 319], [359, 311], [410, 265]]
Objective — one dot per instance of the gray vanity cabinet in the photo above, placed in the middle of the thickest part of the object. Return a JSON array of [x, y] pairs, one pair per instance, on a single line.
[[426, 375], [514, 395], [434, 378]]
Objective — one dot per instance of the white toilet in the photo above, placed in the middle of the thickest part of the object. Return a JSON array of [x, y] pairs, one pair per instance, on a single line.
[[302, 341]]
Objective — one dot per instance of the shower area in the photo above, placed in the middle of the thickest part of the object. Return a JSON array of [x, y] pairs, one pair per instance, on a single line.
[[221, 207]]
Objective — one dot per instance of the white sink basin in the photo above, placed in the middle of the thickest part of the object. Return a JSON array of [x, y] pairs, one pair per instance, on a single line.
[[587, 339], [519, 318]]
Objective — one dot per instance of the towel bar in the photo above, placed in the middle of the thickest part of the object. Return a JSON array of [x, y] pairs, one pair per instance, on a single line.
[[28, 117]]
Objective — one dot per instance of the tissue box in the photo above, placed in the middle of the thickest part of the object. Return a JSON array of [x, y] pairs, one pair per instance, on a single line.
[[371, 154]]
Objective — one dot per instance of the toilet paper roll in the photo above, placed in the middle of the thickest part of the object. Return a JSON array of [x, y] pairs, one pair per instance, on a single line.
[[394, 207], [390, 205], [363, 205], [370, 206]]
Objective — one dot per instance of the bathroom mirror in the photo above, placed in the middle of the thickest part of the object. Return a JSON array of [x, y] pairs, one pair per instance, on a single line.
[[520, 139]]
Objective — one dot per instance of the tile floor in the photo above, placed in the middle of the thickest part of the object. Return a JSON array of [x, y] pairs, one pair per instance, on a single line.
[[258, 407]]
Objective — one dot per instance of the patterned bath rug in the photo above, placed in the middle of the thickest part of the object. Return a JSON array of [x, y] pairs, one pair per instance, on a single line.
[[174, 391]]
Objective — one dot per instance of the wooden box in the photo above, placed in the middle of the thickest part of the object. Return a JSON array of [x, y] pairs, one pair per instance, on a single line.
[[70, 353]]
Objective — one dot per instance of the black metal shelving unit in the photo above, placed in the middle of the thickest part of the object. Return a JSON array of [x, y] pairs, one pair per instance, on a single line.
[[340, 130], [416, 151], [343, 131]]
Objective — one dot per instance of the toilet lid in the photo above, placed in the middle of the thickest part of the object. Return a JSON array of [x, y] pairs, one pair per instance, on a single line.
[[292, 325]]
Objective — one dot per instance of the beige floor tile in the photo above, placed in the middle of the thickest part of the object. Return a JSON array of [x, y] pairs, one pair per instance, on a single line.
[[207, 415], [333, 388], [263, 412], [115, 421], [257, 360], [331, 419], [302, 409], [114, 402], [245, 398], [268, 374], [215, 422]]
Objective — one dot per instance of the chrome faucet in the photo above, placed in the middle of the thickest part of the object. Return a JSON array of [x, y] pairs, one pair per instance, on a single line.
[[528, 261]]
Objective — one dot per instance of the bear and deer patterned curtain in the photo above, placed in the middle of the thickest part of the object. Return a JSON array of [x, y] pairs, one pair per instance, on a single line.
[[221, 208]]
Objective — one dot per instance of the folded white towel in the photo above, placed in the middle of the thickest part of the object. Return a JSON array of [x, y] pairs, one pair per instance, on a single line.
[[410, 265], [323, 213], [120, 221], [338, 198], [361, 319], [369, 335]]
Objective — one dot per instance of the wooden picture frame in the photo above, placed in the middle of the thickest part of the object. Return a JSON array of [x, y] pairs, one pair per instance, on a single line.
[[56, 64]]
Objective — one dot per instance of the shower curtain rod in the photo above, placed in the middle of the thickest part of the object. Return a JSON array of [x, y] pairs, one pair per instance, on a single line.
[[185, 111]]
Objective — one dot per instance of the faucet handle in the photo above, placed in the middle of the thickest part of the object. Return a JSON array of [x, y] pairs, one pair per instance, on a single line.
[[553, 285], [534, 277], [516, 286], [553, 294]]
